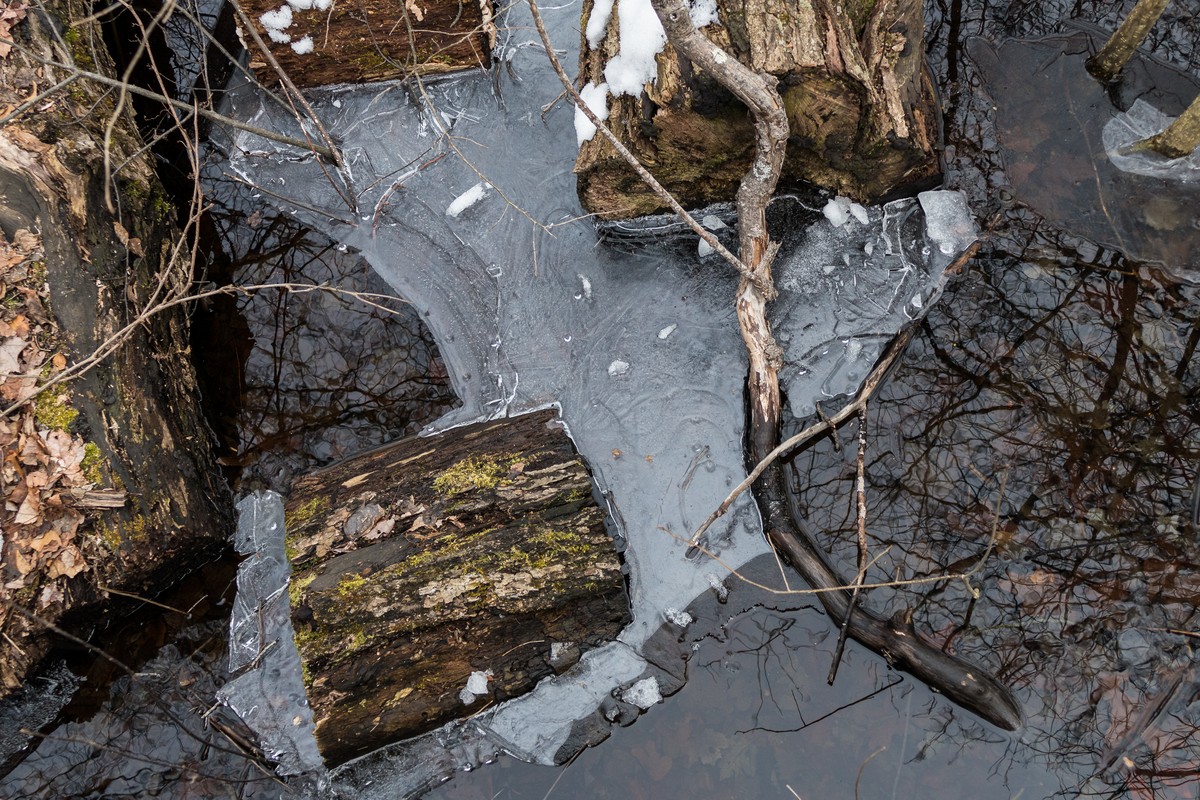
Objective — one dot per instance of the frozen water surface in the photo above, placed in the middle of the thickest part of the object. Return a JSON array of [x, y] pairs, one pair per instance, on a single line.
[[637, 344]]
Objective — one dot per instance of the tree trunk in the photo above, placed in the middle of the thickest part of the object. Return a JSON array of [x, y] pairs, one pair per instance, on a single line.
[[480, 550], [860, 106], [109, 479]]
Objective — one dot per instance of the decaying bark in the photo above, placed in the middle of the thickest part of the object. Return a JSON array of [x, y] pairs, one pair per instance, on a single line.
[[415, 565], [860, 108], [369, 40], [112, 472]]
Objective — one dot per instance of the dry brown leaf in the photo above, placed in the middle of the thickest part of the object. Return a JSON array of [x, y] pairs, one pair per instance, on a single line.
[[130, 243], [21, 563], [9, 17], [67, 452], [10, 355], [30, 511], [68, 564], [59, 361], [49, 542], [51, 593], [26, 240]]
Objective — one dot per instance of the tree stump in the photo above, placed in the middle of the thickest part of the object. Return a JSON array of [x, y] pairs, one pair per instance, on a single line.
[[860, 105], [109, 479], [420, 564], [319, 42]]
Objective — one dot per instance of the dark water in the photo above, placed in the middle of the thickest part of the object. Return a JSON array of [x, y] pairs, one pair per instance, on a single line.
[[1041, 426]]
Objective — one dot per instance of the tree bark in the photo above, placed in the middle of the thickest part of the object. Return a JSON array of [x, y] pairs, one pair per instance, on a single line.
[[415, 565], [371, 40], [145, 503], [860, 106]]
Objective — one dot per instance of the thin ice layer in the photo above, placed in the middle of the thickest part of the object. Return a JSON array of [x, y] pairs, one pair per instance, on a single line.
[[261, 644], [528, 310]]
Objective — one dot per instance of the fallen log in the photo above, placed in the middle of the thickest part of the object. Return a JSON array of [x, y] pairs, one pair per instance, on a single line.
[[475, 560], [109, 478], [319, 42]]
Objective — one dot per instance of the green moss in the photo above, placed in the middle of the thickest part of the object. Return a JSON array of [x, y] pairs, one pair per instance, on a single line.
[[350, 585], [137, 528], [475, 473], [53, 410], [92, 463], [109, 535], [304, 512], [298, 585]]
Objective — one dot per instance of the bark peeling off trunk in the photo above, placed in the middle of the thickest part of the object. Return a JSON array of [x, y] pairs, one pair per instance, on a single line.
[[861, 110], [137, 412], [370, 40], [432, 558]]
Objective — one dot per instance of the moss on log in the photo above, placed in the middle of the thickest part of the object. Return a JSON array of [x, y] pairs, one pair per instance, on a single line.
[[127, 494], [861, 109], [369, 40], [429, 559]]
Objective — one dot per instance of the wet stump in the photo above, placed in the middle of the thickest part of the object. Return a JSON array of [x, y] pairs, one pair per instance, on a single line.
[[369, 40], [481, 550], [861, 110]]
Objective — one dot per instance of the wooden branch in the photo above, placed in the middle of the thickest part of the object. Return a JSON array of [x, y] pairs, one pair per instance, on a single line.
[[755, 248], [1112, 58]]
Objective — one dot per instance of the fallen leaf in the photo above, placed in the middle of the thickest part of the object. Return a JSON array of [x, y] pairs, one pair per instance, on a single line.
[[68, 564], [51, 593], [8, 18], [30, 512], [10, 355], [59, 361]]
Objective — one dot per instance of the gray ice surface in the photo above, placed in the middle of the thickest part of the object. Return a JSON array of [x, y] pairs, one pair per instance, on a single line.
[[268, 690], [1142, 121], [636, 341]]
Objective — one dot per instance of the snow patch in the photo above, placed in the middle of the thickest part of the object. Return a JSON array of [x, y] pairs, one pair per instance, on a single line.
[[303, 46], [618, 368], [596, 98], [277, 20], [703, 12], [840, 209], [642, 38], [680, 618], [667, 331], [477, 686], [598, 21], [467, 199]]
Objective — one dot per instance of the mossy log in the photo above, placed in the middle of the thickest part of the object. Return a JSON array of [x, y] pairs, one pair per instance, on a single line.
[[367, 40], [861, 108], [112, 472], [481, 550]]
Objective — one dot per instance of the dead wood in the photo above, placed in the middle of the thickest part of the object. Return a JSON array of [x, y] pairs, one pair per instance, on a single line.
[[418, 564]]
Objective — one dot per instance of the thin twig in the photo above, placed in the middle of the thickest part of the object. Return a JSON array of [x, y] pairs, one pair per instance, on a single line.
[[110, 345], [860, 492], [104, 80]]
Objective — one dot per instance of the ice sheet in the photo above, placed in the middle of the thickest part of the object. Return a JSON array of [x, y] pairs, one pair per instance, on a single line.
[[268, 694], [636, 341], [1142, 121]]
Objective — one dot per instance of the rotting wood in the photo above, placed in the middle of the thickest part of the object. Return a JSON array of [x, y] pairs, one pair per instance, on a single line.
[[369, 40], [860, 106], [128, 494], [429, 559]]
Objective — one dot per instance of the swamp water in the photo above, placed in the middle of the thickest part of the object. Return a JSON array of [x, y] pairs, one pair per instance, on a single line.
[[1047, 407]]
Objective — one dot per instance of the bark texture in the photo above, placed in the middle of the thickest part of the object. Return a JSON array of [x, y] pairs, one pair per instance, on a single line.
[[417, 564], [372, 40], [860, 108], [105, 257]]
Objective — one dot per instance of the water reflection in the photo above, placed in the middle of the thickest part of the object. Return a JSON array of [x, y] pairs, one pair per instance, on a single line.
[[315, 376], [1066, 400]]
